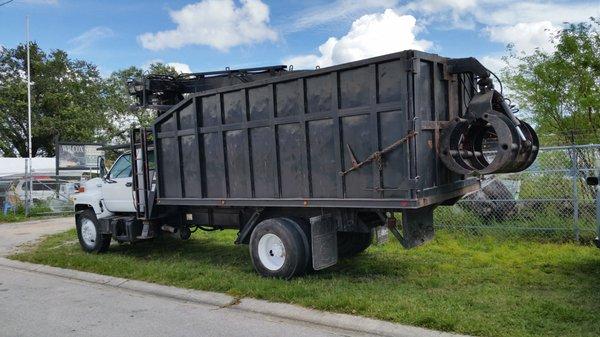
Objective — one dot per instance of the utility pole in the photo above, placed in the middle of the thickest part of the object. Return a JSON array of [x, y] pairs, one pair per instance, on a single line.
[[30, 188]]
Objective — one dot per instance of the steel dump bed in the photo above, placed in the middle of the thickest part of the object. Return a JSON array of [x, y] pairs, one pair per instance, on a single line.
[[358, 135]]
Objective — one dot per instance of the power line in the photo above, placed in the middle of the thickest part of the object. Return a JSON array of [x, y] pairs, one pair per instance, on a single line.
[[6, 2]]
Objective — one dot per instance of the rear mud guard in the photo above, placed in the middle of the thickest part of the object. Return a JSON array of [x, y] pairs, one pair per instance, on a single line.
[[323, 232]]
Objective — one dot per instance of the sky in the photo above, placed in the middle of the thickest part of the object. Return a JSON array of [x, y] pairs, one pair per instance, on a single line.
[[213, 34]]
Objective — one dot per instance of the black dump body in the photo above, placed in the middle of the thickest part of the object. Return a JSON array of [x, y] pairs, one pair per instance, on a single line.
[[312, 161], [364, 134]]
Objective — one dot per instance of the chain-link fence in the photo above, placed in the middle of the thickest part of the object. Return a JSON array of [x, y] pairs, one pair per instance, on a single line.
[[549, 201], [50, 194]]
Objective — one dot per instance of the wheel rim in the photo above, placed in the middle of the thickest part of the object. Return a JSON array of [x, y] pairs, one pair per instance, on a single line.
[[271, 251], [88, 231]]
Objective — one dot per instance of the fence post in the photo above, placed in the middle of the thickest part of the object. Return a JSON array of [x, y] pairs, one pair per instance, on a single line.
[[596, 173], [575, 174], [598, 211]]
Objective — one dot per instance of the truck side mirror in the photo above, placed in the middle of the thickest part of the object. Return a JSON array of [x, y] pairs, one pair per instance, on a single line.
[[592, 181], [101, 167]]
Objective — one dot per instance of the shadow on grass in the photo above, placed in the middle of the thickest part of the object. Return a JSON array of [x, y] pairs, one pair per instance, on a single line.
[[206, 250], [585, 273]]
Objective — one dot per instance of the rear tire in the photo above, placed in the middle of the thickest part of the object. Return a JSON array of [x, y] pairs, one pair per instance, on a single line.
[[352, 243], [277, 248], [303, 226], [90, 237]]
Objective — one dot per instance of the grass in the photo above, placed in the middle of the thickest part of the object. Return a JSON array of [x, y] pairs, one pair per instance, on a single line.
[[543, 224], [477, 286], [12, 217], [36, 212]]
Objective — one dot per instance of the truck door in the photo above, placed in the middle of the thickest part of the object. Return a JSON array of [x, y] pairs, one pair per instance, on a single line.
[[116, 189]]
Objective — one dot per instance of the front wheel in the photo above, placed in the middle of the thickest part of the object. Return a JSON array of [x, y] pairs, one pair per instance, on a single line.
[[90, 237], [277, 249]]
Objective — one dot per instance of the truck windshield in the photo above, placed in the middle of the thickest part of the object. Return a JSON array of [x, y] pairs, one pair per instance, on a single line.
[[122, 167]]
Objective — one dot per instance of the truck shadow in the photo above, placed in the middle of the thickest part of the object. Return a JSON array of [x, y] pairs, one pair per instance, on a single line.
[[564, 278], [207, 251]]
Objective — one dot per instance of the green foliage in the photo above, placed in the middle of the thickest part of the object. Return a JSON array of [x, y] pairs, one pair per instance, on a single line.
[[562, 89], [66, 96], [70, 100], [36, 211], [119, 113], [158, 68], [481, 286]]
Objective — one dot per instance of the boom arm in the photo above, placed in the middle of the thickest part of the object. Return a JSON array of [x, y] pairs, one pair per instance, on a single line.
[[160, 92]]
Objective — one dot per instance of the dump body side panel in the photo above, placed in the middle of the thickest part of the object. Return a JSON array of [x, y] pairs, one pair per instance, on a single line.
[[294, 140]]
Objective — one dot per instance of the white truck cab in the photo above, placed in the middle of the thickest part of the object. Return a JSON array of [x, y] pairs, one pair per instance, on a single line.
[[111, 193], [105, 207]]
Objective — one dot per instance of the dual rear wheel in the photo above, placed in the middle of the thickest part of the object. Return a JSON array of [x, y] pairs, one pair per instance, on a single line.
[[280, 247]]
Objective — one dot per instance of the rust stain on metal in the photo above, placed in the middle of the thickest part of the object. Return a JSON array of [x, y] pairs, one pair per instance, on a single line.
[[376, 156]]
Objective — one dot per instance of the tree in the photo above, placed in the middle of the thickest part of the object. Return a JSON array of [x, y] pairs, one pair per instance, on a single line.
[[561, 90], [67, 100], [121, 117]]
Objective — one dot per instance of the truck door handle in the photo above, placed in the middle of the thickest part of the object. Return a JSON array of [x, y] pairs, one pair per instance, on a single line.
[[128, 184]]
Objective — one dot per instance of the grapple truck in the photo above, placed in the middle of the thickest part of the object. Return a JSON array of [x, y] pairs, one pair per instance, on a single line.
[[304, 164]]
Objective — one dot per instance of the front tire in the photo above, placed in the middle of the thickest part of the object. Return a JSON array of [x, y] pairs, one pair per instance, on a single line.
[[90, 237], [277, 248]]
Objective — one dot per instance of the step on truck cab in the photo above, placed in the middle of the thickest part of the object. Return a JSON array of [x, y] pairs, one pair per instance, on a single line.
[[304, 164]]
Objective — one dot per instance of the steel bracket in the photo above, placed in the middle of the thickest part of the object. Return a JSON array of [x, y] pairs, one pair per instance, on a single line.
[[244, 234]]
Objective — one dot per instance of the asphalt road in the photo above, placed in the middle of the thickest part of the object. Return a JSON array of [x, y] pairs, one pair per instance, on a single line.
[[36, 304]]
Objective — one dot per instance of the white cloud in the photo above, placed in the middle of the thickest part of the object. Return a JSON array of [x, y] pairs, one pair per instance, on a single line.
[[495, 63], [335, 11], [180, 67], [455, 12], [370, 35], [555, 12], [433, 6], [526, 37], [220, 24], [84, 40], [525, 24], [465, 13], [147, 64]]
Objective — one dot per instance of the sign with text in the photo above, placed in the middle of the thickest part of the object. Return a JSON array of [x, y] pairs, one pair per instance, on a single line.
[[77, 156]]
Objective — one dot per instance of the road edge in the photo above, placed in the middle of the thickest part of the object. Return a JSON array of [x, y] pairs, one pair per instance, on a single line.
[[275, 309]]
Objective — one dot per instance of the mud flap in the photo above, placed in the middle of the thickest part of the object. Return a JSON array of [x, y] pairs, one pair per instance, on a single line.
[[323, 233], [417, 226]]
